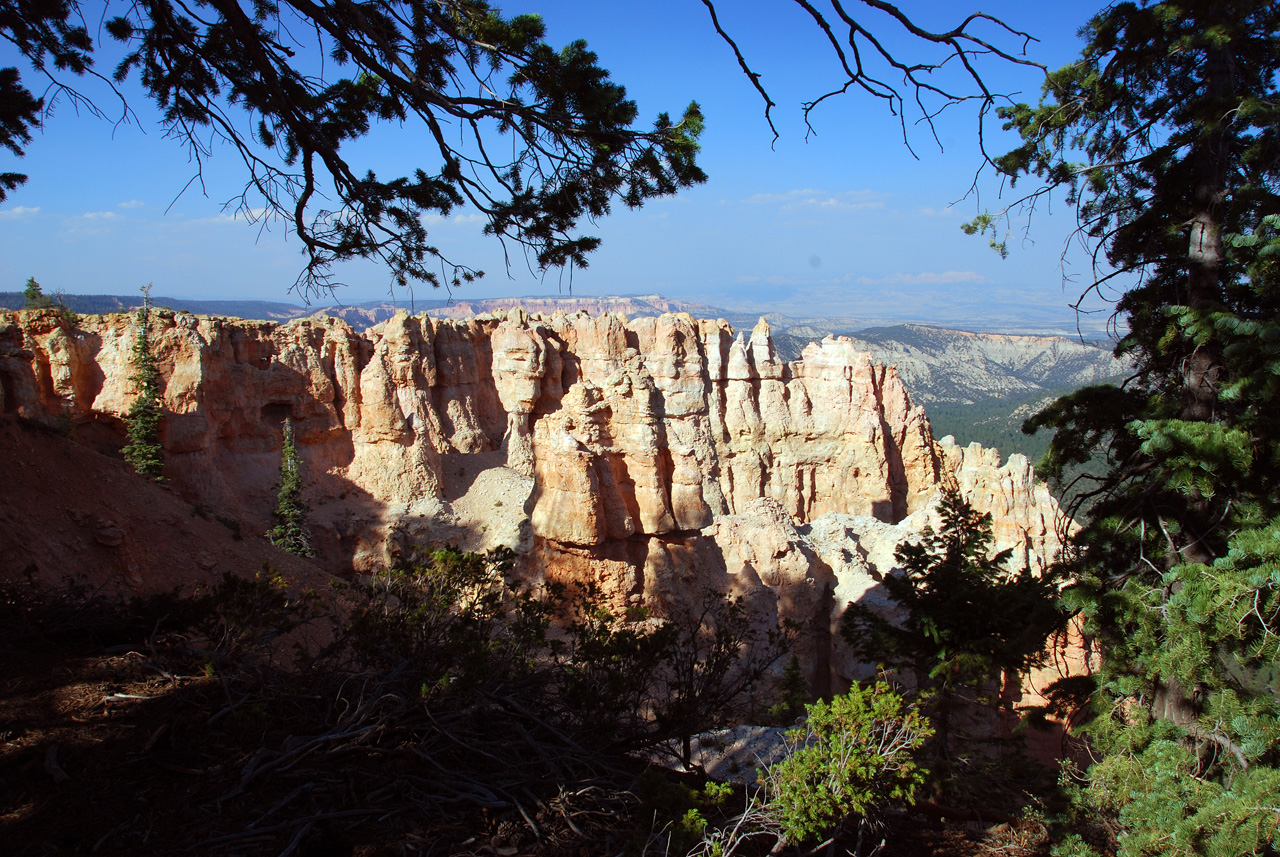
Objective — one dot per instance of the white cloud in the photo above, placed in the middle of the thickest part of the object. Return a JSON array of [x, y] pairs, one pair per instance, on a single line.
[[131, 203], [926, 278], [89, 224], [216, 218], [264, 216], [18, 211], [930, 211], [837, 285], [789, 196], [435, 218], [820, 200]]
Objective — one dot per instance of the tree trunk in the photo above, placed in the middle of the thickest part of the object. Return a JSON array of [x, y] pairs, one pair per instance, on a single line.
[[1209, 156], [1202, 369]]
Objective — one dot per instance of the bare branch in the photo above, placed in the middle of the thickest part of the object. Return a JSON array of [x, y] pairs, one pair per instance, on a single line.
[[918, 84]]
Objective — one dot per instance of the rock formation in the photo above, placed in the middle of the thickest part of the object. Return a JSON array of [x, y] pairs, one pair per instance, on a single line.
[[652, 456]]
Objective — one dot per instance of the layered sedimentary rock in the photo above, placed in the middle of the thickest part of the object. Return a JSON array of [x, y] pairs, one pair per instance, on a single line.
[[652, 456]]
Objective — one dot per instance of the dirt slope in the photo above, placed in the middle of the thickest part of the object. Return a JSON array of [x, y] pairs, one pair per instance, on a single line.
[[68, 513]]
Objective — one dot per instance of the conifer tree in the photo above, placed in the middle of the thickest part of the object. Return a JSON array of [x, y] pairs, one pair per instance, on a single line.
[[793, 694], [968, 619], [34, 297], [290, 532], [1174, 108], [142, 424]]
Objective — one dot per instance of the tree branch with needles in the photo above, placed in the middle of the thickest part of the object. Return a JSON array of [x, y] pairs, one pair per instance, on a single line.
[[227, 72]]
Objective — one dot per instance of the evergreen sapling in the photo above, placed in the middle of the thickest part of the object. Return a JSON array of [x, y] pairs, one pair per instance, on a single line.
[[34, 297], [968, 620], [142, 424], [290, 532]]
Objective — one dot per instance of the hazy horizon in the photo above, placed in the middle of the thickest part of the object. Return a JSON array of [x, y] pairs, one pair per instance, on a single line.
[[1093, 328], [846, 221]]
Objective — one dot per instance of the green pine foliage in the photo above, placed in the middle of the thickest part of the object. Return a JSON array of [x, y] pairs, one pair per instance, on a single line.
[[854, 755], [290, 532], [793, 691], [574, 143], [1177, 569], [34, 297], [967, 620], [1198, 775], [142, 424]]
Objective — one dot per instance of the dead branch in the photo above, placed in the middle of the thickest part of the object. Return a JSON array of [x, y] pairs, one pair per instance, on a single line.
[[869, 65]]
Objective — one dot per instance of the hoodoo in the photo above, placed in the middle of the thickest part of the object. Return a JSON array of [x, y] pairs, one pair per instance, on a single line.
[[653, 456]]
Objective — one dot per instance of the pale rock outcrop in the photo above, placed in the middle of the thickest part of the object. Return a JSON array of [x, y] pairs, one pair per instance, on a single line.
[[1024, 515], [762, 548], [653, 457]]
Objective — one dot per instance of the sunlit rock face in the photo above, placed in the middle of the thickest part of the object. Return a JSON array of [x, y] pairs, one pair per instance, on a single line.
[[653, 457]]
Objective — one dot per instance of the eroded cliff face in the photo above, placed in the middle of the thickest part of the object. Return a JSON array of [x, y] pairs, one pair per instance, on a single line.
[[654, 457]]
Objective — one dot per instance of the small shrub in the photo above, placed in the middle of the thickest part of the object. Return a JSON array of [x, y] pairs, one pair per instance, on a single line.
[[855, 754], [237, 619], [678, 811], [68, 612], [452, 624], [34, 298], [638, 683]]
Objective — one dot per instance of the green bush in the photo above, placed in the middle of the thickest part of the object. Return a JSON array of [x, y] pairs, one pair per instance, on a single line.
[[855, 754], [681, 812], [236, 621], [451, 624]]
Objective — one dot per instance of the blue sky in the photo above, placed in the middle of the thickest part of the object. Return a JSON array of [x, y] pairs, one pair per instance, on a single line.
[[844, 223]]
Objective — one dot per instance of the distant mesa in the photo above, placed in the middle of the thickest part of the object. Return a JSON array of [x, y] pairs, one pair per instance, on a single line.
[[368, 313], [937, 365]]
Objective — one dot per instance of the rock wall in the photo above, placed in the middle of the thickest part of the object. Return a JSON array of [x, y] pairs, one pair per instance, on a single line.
[[654, 456]]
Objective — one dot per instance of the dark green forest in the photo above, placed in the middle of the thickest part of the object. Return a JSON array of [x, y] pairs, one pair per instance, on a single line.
[[996, 424]]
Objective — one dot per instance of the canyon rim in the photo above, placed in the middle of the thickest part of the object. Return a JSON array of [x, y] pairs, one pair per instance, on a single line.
[[653, 457]]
